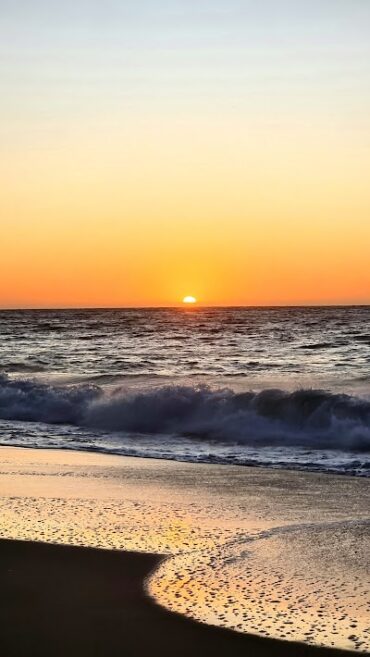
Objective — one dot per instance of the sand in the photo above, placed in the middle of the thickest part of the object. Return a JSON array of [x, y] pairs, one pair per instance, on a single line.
[[269, 553], [62, 601]]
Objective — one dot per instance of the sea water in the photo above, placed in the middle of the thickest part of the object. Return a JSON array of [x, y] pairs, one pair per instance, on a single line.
[[281, 387]]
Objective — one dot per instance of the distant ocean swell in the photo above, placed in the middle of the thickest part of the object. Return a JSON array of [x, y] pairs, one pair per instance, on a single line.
[[311, 419]]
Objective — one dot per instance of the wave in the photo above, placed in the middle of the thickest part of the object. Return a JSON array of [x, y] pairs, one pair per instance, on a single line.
[[314, 419]]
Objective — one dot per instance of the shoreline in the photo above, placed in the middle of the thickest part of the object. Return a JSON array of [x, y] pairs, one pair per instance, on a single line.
[[215, 462], [207, 527], [58, 600]]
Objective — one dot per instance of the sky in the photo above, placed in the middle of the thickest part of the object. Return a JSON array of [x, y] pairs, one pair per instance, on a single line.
[[162, 148]]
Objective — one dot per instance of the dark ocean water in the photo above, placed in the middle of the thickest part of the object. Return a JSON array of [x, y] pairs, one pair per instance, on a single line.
[[283, 387]]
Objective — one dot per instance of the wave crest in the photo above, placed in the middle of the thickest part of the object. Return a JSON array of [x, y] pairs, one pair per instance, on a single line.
[[314, 419]]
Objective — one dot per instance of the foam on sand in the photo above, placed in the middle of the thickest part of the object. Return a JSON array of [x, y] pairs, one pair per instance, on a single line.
[[275, 553]]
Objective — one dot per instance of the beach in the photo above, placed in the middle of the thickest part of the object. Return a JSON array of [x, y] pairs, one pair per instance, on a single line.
[[185, 328], [110, 553], [77, 601]]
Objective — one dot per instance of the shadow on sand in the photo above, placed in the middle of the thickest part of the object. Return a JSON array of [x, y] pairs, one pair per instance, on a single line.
[[68, 601]]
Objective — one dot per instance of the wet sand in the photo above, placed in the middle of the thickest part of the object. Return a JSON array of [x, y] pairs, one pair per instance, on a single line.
[[64, 601], [282, 555]]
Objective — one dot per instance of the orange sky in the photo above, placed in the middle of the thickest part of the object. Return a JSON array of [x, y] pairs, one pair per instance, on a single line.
[[239, 178]]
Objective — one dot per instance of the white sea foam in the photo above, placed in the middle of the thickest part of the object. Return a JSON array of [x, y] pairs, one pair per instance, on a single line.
[[312, 419]]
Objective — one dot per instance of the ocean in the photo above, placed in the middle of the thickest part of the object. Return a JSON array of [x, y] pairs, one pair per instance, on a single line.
[[283, 387]]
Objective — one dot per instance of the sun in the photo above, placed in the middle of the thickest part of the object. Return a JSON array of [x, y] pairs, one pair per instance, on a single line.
[[189, 299]]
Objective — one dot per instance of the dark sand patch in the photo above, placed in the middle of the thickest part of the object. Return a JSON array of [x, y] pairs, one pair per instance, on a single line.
[[60, 601]]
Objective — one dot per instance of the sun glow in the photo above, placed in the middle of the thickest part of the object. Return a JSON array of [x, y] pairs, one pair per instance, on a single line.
[[221, 168]]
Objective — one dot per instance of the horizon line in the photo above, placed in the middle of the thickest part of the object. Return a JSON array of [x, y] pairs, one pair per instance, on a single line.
[[187, 307]]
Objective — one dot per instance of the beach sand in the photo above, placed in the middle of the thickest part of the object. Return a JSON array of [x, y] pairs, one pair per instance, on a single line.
[[273, 554], [64, 601]]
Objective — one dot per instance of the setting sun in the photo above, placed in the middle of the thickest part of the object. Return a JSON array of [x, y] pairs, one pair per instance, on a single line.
[[189, 300]]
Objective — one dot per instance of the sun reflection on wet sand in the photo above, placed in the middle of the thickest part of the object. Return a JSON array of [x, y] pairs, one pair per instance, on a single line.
[[251, 549]]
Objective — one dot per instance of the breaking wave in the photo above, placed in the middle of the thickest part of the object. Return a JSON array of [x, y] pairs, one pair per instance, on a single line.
[[313, 419]]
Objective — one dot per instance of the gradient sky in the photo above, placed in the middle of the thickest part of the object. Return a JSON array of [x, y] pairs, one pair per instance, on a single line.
[[157, 148]]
